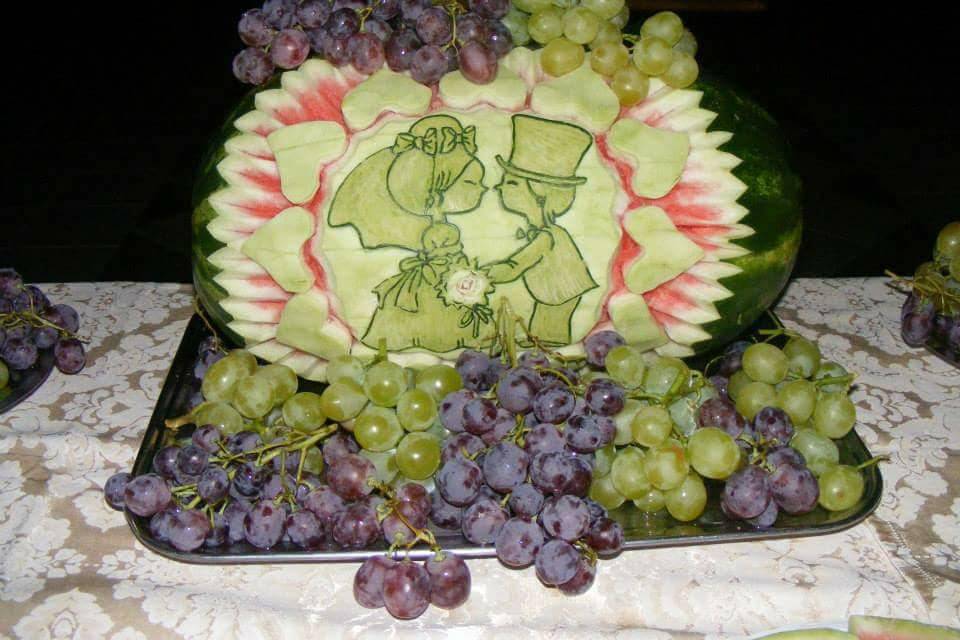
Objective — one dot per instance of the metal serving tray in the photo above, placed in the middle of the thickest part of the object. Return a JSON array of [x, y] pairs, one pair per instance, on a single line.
[[642, 531]]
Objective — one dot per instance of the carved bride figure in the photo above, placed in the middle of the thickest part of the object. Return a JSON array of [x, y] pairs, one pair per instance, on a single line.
[[401, 197]]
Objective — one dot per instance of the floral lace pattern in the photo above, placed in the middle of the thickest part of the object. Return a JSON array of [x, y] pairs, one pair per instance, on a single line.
[[69, 566]]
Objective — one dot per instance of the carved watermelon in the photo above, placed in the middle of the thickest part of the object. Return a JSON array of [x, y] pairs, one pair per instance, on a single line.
[[339, 212]]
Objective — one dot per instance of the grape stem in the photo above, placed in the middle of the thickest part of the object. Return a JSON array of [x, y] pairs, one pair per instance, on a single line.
[[871, 462], [933, 289], [217, 344], [587, 551]]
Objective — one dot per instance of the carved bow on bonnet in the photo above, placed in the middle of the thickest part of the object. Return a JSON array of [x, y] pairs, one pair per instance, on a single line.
[[428, 143]]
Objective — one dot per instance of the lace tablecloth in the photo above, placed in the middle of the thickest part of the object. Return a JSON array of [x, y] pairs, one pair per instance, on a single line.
[[69, 566]]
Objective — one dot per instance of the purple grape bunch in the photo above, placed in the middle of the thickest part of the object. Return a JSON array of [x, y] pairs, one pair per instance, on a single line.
[[416, 36], [30, 324]]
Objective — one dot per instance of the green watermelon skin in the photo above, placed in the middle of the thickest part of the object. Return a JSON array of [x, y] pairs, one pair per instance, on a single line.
[[875, 628], [772, 198]]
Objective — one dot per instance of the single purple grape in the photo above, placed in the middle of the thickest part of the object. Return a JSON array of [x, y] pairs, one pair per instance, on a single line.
[[499, 40], [318, 39], [733, 357], [254, 29], [311, 14], [45, 337], [482, 521], [766, 519], [794, 488], [518, 542], [543, 438], [916, 329], [406, 590], [337, 50], [554, 404], [305, 530], [472, 367], [213, 485], [380, 29], [587, 433], [434, 26], [368, 582], [207, 437], [385, 9], [10, 283], [325, 504], [596, 510], [349, 476], [19, 353], [356, 527], [774, 426], [146, 495], [366, 52], [69, 356], [746, 493], [399, 49], [449, 580], [113, 490], [219, 532], [720, 413], [244, 441], [234, 515], [192, 460], [459, 481], [253, 66], [188, 529], [526, 501], [606, 537], [165, 461], [428, 65], [517, 388], [504, 425], [605, 397], [505, 467], [411, 9], [479, 416], [280, 14], [342, 23], [781, 455], [565, 517], [248, 479], [160, 523], [289, 49], [491, 9], [339, 445], [557, 562], [263, 526], [461, 445]]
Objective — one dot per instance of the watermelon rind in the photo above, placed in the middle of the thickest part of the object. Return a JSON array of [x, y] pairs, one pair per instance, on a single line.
[[877, 628]]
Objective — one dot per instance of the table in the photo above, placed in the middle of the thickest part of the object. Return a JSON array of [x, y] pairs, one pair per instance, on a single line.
[[69, 566]]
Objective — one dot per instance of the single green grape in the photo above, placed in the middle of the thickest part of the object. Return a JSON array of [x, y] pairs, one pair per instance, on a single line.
[[546, 25], [665, 25], [682, 72], [313, 460], [755, 396], [738, 381], [417, 410], [819, 451], [686, 44], [533, 6], [666, 465], [607, 33], [629, 85], [624, 363], [652, 56], [304, 411], [222, 376], [830, 370], [418, 455], [253, 397], [604, 9], [763, 362], [439, 380], [283, 380], [384, 383], [606, 59], [246, 359], [651, 502], [797, 398], [624, 420], [385, 463], [220, 415], [651, 426], [841, 487], [803, 356], [604, 493], [345, 367], [713, 453], [603, 460], [687, 501], [684, 410], [580, 25], [516, 23], [948, 242], [342, 400], [4, 375], [834, 415], [666, 374], [377, 429], [561, 56], [627, 473]]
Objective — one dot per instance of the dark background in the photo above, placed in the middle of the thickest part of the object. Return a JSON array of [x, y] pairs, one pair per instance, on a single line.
[[110, 111]]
